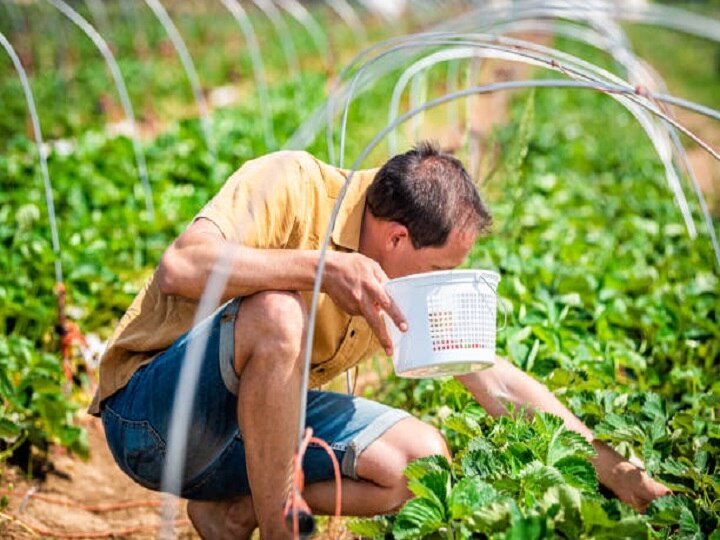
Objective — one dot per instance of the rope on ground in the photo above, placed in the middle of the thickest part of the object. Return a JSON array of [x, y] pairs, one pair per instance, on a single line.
[[32, 493], [109, 507], [42, 532]]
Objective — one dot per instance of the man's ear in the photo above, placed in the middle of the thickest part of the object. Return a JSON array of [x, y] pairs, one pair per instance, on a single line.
[[396, 235]]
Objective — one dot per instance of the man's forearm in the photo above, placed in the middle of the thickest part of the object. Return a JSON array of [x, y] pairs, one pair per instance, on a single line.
[[503, 383], [252, 270], [188, 263]]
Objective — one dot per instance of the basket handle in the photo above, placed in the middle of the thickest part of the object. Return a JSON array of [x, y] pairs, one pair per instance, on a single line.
[[497, 296]]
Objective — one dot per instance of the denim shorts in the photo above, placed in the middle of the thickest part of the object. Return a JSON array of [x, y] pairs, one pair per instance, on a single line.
[[136, 420]]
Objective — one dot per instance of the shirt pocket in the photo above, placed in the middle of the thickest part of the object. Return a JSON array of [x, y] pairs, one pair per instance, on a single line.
[[351, 350]]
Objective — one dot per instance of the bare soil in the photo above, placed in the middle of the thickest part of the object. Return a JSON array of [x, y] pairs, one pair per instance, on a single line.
[[705, 166], [84, 499]]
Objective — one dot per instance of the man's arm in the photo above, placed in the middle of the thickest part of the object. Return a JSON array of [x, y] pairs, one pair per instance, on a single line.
[[188, 262], [504, 383], [352, 280]]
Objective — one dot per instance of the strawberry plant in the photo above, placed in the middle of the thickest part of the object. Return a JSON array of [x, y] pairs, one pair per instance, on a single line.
[[614, 308], [610, 303]]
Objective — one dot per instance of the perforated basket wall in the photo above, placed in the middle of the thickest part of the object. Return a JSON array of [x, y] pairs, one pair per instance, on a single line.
[[464, 320]]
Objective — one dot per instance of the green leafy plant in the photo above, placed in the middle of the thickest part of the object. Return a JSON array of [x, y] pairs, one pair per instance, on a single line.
[[612, 306]]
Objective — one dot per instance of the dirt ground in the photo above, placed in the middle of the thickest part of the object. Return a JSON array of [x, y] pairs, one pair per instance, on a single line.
[[84, 499], [706, 168]]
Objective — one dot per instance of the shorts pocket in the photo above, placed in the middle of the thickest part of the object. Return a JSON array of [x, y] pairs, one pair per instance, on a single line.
[[137, 448]]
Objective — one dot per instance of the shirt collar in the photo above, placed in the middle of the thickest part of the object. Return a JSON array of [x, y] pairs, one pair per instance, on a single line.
[[346, 232]]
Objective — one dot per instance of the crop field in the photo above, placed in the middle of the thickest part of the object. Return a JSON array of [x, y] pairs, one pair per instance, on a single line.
[[610, 272]]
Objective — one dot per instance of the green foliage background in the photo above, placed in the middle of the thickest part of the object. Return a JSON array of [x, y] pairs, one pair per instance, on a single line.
[[610, 303], [614, 308]]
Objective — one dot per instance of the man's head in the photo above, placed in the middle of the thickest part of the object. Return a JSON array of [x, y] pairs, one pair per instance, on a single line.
[[423, 213]]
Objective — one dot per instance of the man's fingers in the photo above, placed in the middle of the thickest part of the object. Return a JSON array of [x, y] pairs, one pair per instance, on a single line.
[[378, 326], [388, 305], [393, 311]]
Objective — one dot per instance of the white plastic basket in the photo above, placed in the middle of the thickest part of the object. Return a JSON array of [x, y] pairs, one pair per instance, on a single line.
[[452, 322]]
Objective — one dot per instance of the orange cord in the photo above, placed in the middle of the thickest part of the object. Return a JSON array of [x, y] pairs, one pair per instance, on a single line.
[[89, 507], [338, 479], [295, 500], [70, 335], [43, 532]]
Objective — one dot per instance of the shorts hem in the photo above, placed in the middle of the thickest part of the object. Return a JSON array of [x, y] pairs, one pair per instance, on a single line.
[[366, 437], [226, 355]]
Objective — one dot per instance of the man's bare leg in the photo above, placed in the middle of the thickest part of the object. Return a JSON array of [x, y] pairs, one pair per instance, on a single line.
[[269, 336], [218, 520], [383, 490]]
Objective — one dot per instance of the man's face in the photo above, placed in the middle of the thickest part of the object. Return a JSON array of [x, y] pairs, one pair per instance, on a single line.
[[406, 260]]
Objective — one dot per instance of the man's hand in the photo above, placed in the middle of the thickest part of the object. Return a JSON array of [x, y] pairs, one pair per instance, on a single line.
[[633, 486], [355, 283]]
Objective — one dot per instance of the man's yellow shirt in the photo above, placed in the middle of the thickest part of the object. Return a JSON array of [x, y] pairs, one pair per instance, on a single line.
[[280, 201]]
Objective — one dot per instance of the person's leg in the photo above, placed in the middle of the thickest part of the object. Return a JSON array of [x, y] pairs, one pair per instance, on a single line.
[[380, 488], [374, 443], [265, 347], [269, 344]]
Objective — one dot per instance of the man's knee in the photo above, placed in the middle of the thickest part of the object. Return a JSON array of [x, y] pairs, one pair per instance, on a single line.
[[423, 441], [411, 439], [270, 324], [384, 461], [430, 442]]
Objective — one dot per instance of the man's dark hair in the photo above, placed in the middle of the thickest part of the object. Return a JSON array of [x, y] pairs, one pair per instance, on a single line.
[[429, 192]]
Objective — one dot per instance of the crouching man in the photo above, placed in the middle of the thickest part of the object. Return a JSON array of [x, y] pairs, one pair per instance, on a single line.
[[419, 212]]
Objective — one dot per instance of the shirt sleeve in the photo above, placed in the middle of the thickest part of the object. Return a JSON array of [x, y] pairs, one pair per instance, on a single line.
[[260, 203]]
